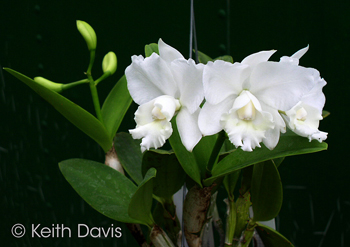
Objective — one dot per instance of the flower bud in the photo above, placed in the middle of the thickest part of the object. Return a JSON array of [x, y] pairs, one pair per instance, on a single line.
[[88, 34], [57, 87], [109, 63]]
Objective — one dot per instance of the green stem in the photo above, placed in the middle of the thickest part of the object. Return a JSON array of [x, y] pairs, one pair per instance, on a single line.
[[249, 232], [104, 76], [230, 221], [95, 98], [93, 88], [92, 59], [73, 84], [216, 150]]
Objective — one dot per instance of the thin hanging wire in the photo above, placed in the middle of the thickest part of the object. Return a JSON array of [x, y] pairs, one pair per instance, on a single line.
[[193, 37]]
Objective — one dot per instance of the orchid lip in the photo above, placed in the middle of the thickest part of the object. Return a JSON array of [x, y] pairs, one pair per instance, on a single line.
[[301, 114], [247, 112]]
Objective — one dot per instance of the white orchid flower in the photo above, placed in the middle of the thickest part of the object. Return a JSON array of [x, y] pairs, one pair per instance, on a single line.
[[304, 117], [244, 98], [165, 85]]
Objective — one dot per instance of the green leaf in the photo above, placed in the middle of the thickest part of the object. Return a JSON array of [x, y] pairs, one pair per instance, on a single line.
[[325, 114], [226, 58], [271, 237], [149, 49], [186, 158], [202, 152], [230, 182], [266, 191], [141, 202], [105, 189], [170, 175], [129, 153], [203, 58], [278, 161], [246, 180], [74, 113], [288, 145], [115, 106]]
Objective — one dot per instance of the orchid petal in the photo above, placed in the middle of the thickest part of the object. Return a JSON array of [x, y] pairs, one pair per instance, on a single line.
[[167, 52], [300, 53], [153, 121], [153, 134], [246, 133], [210, 115], [307, 126], [272, 135], [294, 59], [223, 79], [315, 97], [162, 107], [258, 57], [187, 125], [149, 78], [188, 77], [280, 85], [143, 114], [167, 106]]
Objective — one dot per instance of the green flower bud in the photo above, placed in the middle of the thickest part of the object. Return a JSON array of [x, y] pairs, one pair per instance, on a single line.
[[109, 63], [88, 34], [57, 87]]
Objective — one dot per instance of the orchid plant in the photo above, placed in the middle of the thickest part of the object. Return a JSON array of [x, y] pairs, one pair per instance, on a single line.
[[225, 122]]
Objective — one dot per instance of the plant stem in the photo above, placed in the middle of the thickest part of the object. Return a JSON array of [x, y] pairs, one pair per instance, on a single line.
[[95, 99], [248, 233], [195, 211], [136, 232], [104, 76], [159, 238], [93, 88], [216, 150], [73, 84], [91, 63], [230, 221], [112, 160]]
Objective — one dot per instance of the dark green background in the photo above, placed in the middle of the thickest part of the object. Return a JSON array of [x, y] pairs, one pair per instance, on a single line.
[[40, 38]]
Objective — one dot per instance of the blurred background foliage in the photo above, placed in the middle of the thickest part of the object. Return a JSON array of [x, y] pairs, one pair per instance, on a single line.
[[39, 38]]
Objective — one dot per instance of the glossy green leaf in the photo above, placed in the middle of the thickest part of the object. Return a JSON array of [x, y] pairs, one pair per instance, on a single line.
[[74, 113], [288, 145], [141, 202], [129, 153], [325, 114], [202, 152], [203, 58], [278, 161], [266, 191], [170, 175], [149, 49], [226, 58], [105, 189], [186, 158], [115, 106], [230, 182], [246, 180], [271, 237]]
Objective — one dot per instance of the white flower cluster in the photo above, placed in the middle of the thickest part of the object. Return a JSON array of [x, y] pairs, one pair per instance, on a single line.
[[253, 101]]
